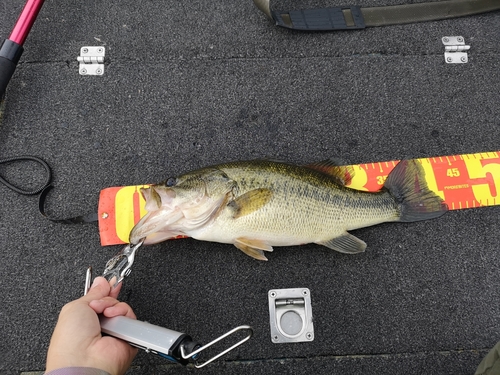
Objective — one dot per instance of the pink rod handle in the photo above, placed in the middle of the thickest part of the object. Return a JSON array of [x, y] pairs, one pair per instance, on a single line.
[[25, 21]]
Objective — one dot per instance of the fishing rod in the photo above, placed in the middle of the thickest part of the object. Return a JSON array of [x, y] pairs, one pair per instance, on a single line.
[[10, 53], [12, 48]]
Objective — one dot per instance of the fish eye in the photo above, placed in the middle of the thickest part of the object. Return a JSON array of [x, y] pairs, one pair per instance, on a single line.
[[172, 181]]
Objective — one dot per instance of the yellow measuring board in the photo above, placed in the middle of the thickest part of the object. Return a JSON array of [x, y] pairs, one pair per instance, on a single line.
[[463, 181]]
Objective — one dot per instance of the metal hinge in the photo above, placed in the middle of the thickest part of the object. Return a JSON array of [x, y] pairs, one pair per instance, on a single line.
[[455, 50], [91, 61]]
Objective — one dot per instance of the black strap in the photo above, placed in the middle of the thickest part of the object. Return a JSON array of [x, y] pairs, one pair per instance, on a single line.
[[43, 190], [89, 218], [48, 174], [354, 17], [321, 19]]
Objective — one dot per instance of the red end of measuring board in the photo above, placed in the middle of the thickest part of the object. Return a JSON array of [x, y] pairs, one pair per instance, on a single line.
[[463, 181], [120, 208]]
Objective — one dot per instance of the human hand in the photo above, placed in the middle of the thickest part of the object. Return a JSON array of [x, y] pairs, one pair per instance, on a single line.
[[77, 339]]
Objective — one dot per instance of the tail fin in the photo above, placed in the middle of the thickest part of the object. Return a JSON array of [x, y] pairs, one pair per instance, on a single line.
[[407, 185]]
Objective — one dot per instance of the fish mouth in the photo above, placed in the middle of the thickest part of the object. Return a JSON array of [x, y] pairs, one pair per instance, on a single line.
[[155, 198], [166, 218], [161, 214]]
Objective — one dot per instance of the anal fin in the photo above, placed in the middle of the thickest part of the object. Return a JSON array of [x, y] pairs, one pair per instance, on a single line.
[[346, 243], [252, 247]]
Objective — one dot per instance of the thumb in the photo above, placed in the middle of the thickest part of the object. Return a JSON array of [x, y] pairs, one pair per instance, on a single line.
[[100, 288]]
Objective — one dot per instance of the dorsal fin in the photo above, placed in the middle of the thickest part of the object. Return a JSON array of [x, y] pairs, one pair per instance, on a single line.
[[342, 173]]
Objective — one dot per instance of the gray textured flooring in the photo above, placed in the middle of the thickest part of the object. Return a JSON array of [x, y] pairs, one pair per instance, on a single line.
[[189, 84]]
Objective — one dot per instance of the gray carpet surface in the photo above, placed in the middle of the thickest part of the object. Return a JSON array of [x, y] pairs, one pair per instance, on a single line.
[[189, 84]]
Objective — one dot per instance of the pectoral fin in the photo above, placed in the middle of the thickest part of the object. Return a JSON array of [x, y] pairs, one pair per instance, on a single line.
[[250, 202], [253, 248], [346, 243]]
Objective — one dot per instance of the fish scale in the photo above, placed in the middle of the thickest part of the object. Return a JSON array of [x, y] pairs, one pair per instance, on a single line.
[[311, 195], [259, 204], [463, 181], [326, 193]]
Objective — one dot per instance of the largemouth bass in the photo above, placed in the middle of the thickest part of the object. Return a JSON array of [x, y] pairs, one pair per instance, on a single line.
[[256, 205]]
